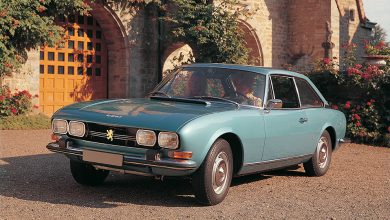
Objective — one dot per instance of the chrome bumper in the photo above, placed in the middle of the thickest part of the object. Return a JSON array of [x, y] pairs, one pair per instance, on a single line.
[[161, 166]]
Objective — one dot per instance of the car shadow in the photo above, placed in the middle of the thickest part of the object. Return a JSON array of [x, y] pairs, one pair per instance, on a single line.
[[47, 178]]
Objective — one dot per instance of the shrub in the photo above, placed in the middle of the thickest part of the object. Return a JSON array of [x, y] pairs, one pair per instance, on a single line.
[[359, 90], [17, 103]]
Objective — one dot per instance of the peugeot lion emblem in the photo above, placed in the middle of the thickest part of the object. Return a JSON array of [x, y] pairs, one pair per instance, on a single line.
[[110, 135]]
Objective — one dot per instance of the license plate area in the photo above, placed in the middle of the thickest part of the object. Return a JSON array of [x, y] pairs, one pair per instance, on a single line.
[[103, 158]]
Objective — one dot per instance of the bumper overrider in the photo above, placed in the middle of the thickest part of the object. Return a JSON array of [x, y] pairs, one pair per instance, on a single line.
[[151, 164]]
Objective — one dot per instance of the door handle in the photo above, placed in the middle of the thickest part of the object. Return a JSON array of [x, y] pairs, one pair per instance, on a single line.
[[303, 120]]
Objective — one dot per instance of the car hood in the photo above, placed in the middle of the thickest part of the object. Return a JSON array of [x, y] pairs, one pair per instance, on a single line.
[[166, 115]]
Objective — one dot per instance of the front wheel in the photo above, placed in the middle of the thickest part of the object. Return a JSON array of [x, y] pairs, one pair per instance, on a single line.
[[86, 174], [319, 164], [212, 180]]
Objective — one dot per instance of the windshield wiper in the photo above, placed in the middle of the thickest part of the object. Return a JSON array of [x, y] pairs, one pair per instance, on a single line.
[[216, 99], [159, 93]]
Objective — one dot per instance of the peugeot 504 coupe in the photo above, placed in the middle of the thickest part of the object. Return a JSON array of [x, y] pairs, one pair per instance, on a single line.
[[209, 122]]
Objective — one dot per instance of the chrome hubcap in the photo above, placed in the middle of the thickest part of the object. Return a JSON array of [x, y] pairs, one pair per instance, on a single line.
[[220, 172], [322, 154]]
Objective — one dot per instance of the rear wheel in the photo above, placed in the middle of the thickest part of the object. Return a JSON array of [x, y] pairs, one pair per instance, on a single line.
[[86, 174], [212, 180], [319, 164]]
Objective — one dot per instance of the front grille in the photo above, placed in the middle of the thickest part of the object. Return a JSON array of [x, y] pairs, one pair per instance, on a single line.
[[122, 136]]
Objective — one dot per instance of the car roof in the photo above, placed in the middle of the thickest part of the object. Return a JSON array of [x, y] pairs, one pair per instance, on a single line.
[[255, 69]]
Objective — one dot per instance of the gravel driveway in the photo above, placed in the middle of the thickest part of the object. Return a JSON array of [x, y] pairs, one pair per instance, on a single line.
[[37, 184]]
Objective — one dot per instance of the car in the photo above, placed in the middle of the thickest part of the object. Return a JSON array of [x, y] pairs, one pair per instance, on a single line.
[[209, 122]]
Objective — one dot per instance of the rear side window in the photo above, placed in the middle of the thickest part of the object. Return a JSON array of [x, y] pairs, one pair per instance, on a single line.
[[309, 98], [284, 89]]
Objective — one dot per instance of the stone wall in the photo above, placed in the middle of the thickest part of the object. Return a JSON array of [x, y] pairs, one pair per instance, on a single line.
[[27, 78], [270, 24], [352, 27], [307, 33], [287, 31]]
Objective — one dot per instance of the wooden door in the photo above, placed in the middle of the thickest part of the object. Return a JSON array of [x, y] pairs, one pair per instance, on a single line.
[[75, 70]]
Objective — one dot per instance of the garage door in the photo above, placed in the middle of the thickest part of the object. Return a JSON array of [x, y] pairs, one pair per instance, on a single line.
[[75, 70]]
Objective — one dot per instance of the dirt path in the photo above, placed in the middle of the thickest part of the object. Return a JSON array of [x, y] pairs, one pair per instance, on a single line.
[[35, 183]]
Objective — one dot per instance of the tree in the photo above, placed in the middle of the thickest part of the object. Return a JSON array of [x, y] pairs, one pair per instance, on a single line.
[[211, 30], [28, 24], [378, 35]]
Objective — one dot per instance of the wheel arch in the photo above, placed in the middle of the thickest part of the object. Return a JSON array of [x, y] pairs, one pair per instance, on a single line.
[[237, 150], [332, 133]]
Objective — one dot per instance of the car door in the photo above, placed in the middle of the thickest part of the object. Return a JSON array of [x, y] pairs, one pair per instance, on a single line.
[[313, 106], [286, 130]]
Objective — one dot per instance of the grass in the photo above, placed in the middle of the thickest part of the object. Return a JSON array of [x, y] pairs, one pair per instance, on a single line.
[[22, 122]]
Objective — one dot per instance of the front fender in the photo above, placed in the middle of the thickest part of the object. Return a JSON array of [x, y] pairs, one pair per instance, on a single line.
[[199, 135]]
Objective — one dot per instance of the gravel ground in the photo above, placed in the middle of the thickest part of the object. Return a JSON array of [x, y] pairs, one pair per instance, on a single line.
[[37, 184]]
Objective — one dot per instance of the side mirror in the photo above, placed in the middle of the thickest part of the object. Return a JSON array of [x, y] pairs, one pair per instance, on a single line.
[[274, 103]]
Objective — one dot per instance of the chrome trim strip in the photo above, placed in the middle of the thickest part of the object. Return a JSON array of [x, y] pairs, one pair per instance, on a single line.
[[79, 152], [159, 166], [116, 136], [121, 170], [277, 160]]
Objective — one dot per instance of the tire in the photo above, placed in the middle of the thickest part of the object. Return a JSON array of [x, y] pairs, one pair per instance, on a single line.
[[86, 174], [319, 164], [211, 187]]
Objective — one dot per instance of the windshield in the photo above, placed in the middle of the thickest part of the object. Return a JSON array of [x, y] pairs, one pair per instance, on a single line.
[[214, 84]]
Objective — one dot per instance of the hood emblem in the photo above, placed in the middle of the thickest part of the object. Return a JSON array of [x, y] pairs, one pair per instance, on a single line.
[[110, 135], [114, 116]]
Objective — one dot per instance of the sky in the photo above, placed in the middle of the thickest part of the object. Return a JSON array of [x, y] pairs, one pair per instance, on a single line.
[[379, 11]]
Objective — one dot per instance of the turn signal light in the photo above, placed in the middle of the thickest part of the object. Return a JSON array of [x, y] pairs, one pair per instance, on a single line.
[[55, 137], [180, 154]]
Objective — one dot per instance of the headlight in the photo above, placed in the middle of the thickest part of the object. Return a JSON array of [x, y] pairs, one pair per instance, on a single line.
[[146, 138], [59, 126], [168, 140], [76, 128]]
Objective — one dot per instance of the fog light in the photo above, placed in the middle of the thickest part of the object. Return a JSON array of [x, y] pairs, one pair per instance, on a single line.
[[76, 128]]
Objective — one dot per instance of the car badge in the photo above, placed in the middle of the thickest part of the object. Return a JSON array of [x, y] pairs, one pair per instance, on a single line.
[[110, 135]]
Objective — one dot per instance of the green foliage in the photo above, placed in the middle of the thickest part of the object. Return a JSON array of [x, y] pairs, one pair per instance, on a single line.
[[211, 30], [27, 24], [25, 122], [362, 92]]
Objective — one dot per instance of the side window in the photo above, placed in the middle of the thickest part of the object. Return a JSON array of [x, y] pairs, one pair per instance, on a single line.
[[284, 89], [309, 98], [215, 88]]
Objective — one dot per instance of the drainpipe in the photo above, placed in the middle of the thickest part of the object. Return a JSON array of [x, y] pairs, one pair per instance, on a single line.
[[159, 43]]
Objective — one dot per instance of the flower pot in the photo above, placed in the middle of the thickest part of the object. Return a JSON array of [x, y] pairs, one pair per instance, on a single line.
[[376, 60]]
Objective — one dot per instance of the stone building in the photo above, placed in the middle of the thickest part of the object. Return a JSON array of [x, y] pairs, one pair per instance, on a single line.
[[116, 53]]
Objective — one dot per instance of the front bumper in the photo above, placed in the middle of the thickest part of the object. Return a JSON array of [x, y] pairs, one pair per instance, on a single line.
[[150, 164]]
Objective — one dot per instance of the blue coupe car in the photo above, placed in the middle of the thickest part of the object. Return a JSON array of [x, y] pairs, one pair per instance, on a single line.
[[210, 122]]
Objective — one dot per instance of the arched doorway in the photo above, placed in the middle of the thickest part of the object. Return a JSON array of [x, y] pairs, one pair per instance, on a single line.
[[176, 55], [252, 43], [76, 70]]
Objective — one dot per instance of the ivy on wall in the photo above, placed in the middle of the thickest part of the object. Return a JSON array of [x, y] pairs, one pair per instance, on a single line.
[[27, 24], [210, 29]]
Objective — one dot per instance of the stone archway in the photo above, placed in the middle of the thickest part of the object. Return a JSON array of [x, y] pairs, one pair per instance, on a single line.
[[252, 43], [91, 64], [175, 55], [117, 47]]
